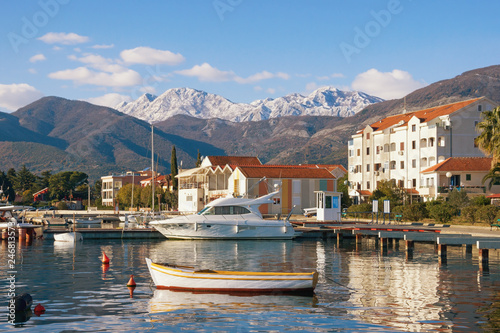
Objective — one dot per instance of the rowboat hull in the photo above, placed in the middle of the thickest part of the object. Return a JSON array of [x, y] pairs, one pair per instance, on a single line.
[[182, 278]]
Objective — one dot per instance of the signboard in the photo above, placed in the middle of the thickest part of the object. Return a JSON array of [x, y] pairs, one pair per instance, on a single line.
[[387, 206], [375, 206]]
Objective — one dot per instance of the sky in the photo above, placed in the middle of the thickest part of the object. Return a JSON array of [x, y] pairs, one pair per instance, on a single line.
[[110, 51]]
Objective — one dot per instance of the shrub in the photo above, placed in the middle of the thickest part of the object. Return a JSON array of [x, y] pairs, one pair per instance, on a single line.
[[364, 207], [480, 201], [469, 213], [487, 214], [442, 212], [61, 205], [415, 212]]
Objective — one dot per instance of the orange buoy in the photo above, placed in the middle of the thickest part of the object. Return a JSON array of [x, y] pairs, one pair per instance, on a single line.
[[39, 309], [105, 259], [131, 282], [131, 291]]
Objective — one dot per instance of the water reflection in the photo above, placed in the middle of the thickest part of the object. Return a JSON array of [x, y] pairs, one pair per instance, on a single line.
[[166, 300], [360, 288]]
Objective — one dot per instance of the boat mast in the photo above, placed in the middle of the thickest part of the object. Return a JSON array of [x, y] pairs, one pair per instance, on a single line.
[[152, 172]]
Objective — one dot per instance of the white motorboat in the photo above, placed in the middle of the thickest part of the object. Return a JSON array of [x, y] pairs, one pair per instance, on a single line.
[[68, 237], [227, 218], [87, 221]]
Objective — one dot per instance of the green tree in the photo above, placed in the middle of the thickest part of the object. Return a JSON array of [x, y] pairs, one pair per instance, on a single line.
[[125, 195], [198, 159], [458, 199], [480, 201], [24, 180], [43, 181], [493, 176], [342, 186], [7, 188], [174, 171], [415, 211], [489, 138], [63, 184]]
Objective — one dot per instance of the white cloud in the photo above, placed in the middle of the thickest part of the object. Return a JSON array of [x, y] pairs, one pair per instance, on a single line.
[[103, 46], [37, 57], [110, 100], [387, 85], [337, 75], [14, 96], [270, 90], [322, 78], [83, 75], [99, 62], [32, 71], [63, 38], [205, 72], [257, 88], [149, 56]]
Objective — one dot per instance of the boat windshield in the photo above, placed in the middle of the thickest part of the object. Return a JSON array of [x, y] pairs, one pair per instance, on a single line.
[[224, 210]]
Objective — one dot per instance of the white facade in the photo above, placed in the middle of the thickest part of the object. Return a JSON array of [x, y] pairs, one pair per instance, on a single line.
[[398, 148]]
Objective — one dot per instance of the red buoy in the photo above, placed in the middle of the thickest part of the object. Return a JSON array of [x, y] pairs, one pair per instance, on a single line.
[[131, 282], [39, 309], [105, 259]]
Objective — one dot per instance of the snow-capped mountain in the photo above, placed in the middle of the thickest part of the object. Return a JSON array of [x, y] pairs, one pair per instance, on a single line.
[[326, 101]]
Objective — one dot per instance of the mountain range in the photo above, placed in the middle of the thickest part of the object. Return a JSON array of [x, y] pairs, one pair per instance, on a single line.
[[59, 134], [326, 101]]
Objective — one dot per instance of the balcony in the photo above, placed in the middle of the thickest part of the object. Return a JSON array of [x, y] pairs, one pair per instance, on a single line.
[[468, 189]]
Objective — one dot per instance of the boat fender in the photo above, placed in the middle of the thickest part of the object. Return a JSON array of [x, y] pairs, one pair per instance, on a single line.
[[39, 309], [23, 302]]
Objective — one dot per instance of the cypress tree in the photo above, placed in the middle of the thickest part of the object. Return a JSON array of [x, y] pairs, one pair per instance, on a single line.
[[198, 159], [173, 169]]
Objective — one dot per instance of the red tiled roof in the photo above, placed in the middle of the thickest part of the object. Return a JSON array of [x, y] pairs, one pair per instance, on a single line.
[[285, 171], [461, 164], [329, 167], [234, 160], [424, 115], [364, 192], [411, 191], [494, 196]]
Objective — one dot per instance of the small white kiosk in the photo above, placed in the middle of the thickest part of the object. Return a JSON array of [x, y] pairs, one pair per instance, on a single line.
[[328, 206]]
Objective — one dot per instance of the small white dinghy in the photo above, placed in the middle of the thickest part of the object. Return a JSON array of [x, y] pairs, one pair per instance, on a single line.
[[186, 278], [68, 237]]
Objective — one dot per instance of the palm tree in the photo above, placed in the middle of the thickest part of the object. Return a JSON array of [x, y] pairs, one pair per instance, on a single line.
[[489, 138], [493, 176]]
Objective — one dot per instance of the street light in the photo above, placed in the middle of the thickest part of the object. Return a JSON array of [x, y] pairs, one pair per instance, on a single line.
[[449, 174]]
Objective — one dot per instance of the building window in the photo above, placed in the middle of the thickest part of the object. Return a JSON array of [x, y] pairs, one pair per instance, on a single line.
[[413, 128], [431, 142], [377, 166], [468, 177], [368, 168], [393, 146], [367, 185], [367, 150], [359, 152], [441, 141], [414, 182], [413, 163], [392, 165], [414, 144], [402, 164], [378, 150], [367, 136], [401, 146], [480, 108]]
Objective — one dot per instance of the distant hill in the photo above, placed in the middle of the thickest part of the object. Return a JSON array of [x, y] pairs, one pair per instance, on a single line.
[[326, 101], [58, 134]]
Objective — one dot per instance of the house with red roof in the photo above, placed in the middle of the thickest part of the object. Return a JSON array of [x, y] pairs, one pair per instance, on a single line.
[[461, 173], [220, 176], [400, 147]]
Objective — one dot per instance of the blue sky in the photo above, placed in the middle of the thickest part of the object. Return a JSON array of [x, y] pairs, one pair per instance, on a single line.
[[108, 51]]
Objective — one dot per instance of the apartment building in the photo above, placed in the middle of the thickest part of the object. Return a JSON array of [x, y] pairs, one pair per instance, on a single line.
[[400, 147]]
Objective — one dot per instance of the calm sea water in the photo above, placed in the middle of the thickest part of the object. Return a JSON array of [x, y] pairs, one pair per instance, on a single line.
[[360, 288]]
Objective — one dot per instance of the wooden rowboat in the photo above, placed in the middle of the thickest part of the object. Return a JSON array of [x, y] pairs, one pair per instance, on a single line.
[[186, 278]]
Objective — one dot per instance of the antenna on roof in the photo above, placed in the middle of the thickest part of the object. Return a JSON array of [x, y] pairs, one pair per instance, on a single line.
[[404, 104]]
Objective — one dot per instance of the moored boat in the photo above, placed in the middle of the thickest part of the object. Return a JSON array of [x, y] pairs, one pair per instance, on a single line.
[[186, 278], [68, 237], [227, 218]]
